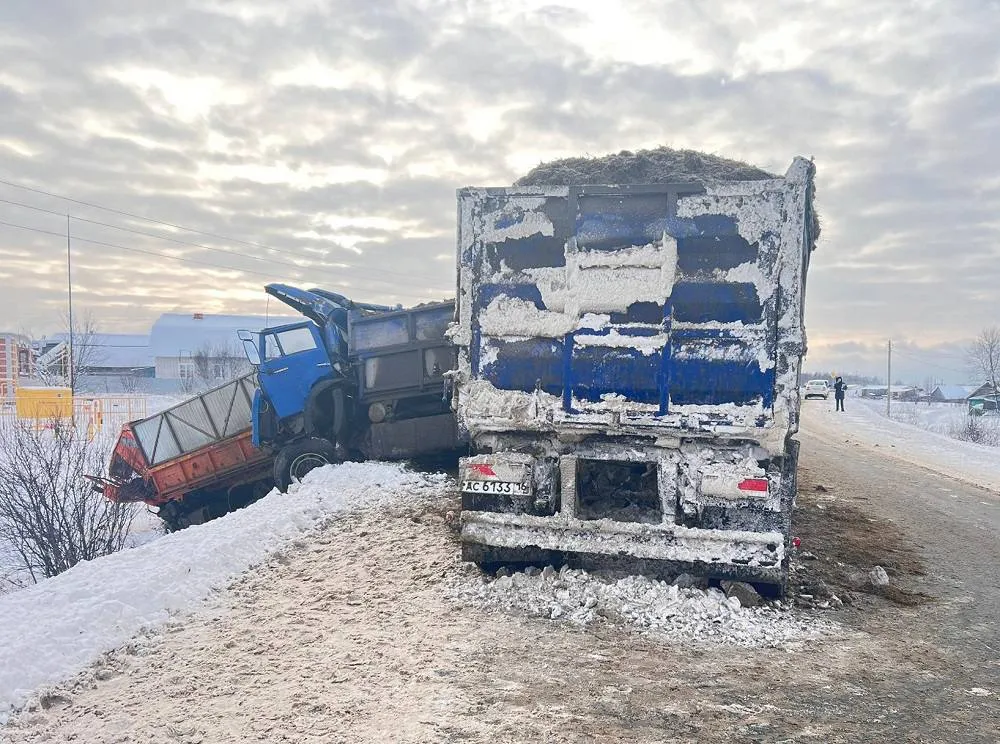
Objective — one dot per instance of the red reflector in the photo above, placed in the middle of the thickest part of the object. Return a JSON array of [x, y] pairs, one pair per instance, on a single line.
[[483, 470], [753, 484]]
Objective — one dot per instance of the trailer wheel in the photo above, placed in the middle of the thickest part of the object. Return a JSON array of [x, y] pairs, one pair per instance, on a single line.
[[298, 458]]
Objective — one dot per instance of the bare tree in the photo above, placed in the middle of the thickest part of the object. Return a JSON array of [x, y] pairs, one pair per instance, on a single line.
[[55, 367], [216, 364], [984, 357], [130, 383], [50, 516]]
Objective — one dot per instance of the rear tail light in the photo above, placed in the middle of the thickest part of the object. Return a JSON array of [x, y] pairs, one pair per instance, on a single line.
[[753, 484]]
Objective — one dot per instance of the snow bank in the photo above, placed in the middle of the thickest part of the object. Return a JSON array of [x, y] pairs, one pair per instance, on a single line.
[[59, 626], [865, 422], [686, 615]]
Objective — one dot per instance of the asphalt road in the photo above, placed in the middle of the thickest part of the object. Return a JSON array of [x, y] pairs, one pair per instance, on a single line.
[[949, 647]]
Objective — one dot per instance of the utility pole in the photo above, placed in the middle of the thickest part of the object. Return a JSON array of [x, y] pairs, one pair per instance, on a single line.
[[69, 285], [888, 383]]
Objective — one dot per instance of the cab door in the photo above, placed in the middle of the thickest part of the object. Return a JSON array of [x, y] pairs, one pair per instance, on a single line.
[[293, 359]]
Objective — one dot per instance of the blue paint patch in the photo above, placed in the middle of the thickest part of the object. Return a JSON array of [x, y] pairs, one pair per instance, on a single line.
[[708, 382], [722, 302], [489, 292], [715, 224], [509, 221], [707, 253], [521, 365], [597, 371]]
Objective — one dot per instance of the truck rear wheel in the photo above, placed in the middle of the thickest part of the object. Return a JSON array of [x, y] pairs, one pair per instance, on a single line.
[[298, 458]]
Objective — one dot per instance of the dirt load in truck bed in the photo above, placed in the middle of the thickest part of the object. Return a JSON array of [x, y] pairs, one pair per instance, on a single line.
[[658, 165]]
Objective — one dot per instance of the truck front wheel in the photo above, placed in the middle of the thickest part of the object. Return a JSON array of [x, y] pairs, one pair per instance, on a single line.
[[298, 458]]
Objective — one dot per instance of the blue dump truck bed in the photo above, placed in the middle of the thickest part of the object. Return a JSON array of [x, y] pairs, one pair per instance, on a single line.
[[638, 345]]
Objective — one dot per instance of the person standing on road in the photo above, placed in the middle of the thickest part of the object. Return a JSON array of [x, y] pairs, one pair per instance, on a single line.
[[839, 388]]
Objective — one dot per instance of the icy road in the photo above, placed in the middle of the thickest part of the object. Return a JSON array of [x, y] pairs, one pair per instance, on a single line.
[[367, 630]]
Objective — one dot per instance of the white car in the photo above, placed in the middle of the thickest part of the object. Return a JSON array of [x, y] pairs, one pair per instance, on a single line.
[[817, 389]]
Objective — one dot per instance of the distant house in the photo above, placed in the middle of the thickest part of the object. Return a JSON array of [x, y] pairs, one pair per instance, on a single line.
[[105, 362], [986, 389], [951, 393], [899, 392], [15, 361], [198, 345], [97, 354], [984, 399]]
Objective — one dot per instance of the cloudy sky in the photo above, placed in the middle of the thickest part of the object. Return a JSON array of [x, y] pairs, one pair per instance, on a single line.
[[321, 142]]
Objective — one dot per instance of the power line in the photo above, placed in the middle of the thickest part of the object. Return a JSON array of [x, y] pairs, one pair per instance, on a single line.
[[181, 259], [174, 226], [140, 217], [929, 364], [154, 253], [157, 237], [202, 246], [136, 250]]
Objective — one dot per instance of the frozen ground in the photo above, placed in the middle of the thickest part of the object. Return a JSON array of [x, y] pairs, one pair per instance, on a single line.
[[363, 630], [52, 629], [919, 443]]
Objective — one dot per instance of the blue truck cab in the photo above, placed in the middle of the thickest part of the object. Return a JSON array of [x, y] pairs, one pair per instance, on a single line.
[[290, 359], [355, 379]]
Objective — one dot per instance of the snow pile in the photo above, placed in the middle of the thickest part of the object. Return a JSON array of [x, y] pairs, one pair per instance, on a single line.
[[864, 422], [950, 419], [59, 626], [681, 614]]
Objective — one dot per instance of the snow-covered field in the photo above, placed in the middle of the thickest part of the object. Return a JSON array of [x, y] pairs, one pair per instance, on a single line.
[[55, 628], [950, 419], [921, 438]]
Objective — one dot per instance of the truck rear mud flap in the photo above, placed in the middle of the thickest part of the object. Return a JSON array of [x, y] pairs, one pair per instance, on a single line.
[[660, 550]]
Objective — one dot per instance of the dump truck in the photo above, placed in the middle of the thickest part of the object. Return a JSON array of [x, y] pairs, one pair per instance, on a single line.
[[192, 462], [352, 380], [628, 358], [360, 381]]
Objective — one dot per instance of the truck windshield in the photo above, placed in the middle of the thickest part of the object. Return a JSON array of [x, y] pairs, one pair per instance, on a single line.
[[295, 340]]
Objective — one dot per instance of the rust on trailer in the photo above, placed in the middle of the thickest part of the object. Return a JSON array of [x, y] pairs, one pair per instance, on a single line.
[[228, 463], [208, 464]]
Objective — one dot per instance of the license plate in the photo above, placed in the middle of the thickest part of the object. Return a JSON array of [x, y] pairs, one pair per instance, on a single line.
[[489, 486]]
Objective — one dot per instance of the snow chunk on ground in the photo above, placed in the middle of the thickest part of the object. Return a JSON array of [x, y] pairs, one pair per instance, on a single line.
[[56, 628], [687, 615]]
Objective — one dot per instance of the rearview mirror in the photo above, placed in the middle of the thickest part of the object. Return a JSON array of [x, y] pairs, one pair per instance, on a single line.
[[250, 346]]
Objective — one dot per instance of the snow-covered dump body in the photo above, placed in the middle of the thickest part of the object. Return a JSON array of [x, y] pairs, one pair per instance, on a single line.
[[641, 345]]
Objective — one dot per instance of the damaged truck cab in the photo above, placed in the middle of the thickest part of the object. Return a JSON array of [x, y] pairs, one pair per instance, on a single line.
[[627, 372], [353, 379]]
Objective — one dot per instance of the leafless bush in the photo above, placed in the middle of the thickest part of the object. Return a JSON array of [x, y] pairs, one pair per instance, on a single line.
[[130, 383], [979, 430], [50, 517], [216, 364]]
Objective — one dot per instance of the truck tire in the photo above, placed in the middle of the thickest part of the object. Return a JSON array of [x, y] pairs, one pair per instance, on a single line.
[[298, 458]]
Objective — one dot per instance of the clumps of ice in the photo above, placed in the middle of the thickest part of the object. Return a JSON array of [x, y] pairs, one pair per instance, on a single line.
[[512, 316], [519, 218], [680, 614]]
